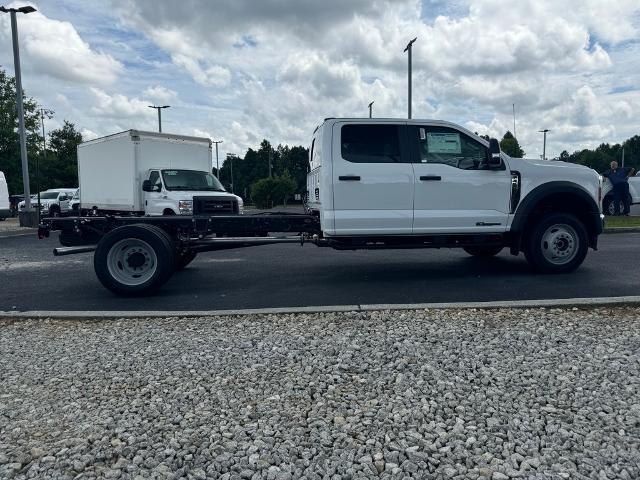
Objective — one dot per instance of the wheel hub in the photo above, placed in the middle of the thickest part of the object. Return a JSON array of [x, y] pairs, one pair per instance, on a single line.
[[132, 261], [559, 244]]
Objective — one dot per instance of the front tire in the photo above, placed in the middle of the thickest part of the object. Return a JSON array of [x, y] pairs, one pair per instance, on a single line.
[[557, 243], [134, 260], [481, 251]]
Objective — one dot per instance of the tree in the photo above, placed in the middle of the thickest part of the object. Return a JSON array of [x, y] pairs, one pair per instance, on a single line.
[[10, 161], [509, 145], [61, 167], [271, 191]]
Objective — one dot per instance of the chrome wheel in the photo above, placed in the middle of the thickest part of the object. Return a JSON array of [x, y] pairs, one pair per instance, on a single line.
[[132, 261], [559, 244]]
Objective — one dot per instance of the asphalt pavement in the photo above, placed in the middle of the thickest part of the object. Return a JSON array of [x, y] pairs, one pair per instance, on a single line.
[[31, 278]]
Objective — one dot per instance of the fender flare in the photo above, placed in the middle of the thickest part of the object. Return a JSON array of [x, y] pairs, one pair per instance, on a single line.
[[538, 194]]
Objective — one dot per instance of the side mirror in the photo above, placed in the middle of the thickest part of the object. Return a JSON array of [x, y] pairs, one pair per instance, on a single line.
[[147, 186], [494, 160]]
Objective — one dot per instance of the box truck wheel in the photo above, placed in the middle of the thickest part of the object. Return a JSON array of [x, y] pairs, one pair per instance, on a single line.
[[134, 259]]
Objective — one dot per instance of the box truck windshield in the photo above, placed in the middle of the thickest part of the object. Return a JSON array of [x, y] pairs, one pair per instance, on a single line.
[[191, 180]]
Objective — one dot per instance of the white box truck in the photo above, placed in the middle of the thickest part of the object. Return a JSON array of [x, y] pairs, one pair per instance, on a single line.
[[5, 208], [148, 173]]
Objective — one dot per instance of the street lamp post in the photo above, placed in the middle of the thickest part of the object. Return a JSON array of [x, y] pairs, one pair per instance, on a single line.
[[217, 163], [230, 158], [44, 157], [544, 143], [19, 105], [159, 115], [408, 49], [370, 105]]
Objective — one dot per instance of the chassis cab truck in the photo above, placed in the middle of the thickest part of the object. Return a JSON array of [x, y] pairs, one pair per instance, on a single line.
[[372, 184]]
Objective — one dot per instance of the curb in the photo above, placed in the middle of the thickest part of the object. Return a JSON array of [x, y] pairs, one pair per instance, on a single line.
[[621, 229], [552, 303]]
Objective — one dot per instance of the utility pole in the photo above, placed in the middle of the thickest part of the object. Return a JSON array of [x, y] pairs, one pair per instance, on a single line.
[[544, 143], [159, 115], [370, 105], [217, 163], [270, 160], [230, 158], [44, 158], [408, 49], [514, 121], [19, 105]]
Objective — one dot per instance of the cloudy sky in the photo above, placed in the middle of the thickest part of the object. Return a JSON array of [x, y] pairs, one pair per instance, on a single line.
[[244, 70]]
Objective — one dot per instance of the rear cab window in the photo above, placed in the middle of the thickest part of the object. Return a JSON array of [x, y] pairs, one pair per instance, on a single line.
[[371, 143]]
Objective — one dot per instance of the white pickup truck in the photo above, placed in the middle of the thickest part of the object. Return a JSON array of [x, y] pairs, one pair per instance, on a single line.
[[53, 202], [373, 184]]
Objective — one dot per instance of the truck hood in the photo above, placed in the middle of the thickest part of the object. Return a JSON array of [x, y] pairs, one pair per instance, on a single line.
[[553, 164]]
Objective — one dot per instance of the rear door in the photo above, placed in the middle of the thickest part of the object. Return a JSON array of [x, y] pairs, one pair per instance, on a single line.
[[372, 179], [454, 190]]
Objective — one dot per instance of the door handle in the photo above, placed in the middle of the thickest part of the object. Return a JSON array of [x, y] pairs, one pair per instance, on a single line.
[[349, 178], [430, 177]]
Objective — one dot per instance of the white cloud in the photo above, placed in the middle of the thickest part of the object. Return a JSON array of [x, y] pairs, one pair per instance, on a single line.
[[119, 106], [160, 93], [55, 48]]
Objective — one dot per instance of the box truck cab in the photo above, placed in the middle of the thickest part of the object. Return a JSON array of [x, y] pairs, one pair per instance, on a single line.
[[148, 173], [5, 208]]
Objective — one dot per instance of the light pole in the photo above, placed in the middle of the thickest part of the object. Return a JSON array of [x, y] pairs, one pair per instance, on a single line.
[[20, 107], [159, 115], [370, 105], [44, 157], [230, 158], [544, 143], [514, 121], [408, 49], [217, 163]]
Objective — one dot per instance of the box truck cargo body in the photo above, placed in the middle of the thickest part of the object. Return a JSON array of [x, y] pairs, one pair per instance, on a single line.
[[112, 170], [5, 208]]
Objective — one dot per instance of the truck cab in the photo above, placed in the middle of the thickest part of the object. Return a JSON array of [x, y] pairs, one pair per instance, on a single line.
[[173, 191], [434, 181]]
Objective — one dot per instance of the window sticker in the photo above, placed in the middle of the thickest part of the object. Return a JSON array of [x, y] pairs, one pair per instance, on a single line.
[[438, 142]]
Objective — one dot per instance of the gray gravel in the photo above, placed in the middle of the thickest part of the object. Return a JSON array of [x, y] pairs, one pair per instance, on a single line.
[[421, 394]]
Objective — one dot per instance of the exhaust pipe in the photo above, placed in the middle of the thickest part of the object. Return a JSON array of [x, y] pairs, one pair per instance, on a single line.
[[60, 251]]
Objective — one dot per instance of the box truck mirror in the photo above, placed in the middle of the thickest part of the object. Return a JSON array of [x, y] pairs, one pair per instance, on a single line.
[[147, 186]]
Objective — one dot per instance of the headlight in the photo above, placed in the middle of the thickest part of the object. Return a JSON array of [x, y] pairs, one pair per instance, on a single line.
[[185, 207]]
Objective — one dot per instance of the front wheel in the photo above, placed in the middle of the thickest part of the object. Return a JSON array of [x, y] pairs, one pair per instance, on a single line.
[[134, 260], [481, 251], [557, 243]]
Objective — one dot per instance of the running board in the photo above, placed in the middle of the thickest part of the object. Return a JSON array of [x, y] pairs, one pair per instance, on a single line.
[[224, 243]]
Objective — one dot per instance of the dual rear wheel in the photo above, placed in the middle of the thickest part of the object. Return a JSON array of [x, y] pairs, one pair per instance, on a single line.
[[137, 259]]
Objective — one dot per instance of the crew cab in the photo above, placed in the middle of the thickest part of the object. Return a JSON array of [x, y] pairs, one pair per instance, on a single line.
[[373, 184]]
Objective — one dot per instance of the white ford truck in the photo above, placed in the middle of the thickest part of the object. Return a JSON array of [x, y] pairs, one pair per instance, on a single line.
[[373, 184]]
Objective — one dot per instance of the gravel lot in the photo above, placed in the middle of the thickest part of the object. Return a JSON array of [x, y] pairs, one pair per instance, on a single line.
[[419, 394]]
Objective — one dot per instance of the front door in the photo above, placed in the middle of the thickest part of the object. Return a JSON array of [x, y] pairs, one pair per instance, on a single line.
[[152, 200], [454, 189], [372, 179]]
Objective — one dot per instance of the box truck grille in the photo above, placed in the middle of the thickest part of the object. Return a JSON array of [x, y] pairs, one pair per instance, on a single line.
[[214, 206]]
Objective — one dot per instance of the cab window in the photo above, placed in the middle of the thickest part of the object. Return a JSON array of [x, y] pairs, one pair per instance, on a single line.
[[154, 178], [450, 147], [370, 143]]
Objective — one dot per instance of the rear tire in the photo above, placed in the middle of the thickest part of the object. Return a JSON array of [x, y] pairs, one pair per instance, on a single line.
[[134, 260], [557, 243], [481, 251]]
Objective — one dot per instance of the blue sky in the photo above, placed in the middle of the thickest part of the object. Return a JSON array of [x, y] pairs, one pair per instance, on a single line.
[[242, 71]]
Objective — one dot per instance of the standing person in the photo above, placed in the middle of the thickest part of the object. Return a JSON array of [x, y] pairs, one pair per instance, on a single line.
[[619, 181]]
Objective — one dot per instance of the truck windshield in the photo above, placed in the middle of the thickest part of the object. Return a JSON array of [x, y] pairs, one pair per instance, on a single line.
[[191, 180]]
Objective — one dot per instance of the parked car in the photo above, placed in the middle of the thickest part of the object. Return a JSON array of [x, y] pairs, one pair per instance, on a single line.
[[5, 206], [608, 207], [53, 202]]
